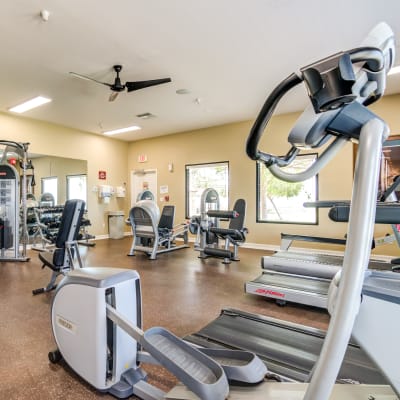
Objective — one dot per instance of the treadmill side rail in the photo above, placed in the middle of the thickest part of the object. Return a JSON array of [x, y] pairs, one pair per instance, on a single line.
[[292, 391]]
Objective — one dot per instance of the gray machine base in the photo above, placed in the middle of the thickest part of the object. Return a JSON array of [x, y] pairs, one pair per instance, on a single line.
[[300, 277], [293, 288], [292, 391]]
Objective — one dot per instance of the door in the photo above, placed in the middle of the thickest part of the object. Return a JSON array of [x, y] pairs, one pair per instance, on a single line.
[[144, 179]]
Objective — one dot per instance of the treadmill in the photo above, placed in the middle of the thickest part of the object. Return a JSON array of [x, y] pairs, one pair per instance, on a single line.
[[339, 95], [304, 278], [289, 350]]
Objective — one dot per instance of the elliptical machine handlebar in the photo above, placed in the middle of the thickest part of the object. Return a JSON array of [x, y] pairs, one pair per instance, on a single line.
[[275, 163], [358, 75], [262, 121]]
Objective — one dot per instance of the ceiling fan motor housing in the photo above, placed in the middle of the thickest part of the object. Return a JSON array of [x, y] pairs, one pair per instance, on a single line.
[[117, 86]]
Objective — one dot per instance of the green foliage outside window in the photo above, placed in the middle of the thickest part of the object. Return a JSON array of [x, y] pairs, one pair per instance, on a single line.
[[282, 202]]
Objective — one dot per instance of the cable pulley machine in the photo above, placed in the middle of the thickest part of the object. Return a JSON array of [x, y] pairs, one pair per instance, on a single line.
[[13, 190]]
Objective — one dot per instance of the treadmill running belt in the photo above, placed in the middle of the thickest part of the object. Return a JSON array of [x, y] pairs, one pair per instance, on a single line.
[[305, 284], [288, 349], [323, 259]]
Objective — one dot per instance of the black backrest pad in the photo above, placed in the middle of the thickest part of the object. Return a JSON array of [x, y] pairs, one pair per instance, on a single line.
[[240, 208], [68, 230], [167, 217], [386, 213]]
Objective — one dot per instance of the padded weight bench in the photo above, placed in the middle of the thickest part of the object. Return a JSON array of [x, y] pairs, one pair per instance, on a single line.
[[61, 259], [153, 234], [234, 235], [386, 213]]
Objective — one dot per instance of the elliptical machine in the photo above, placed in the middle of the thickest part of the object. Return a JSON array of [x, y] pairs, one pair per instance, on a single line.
[[102, 341]]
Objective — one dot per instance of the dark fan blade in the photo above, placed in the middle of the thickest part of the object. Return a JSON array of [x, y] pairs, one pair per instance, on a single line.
[[113, 96], [131, 86], [89, 79]]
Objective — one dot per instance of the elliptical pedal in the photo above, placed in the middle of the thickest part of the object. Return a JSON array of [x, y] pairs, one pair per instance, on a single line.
[[200, 373]]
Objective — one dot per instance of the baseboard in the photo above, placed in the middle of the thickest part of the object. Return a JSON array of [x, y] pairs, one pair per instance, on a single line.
[[102, 237], [272, 247]]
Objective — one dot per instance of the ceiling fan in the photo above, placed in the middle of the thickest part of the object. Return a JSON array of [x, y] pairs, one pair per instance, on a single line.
[[118, 87]]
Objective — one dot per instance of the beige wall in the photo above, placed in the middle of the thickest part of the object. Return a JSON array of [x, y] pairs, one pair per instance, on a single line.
[[222, 143], [101, 153], [227, 143]]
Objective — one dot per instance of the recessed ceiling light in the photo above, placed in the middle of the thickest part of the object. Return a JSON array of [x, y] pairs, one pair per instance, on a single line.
[[122, 130], [182, 91], [394, 70], [28, 105]]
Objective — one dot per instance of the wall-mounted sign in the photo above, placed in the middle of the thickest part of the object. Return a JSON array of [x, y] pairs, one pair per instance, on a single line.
[[163, 189], [102, 175], [142, 158]]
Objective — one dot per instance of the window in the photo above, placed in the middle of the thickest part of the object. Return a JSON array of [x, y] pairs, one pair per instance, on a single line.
[[202, 176], [282, 202], [50, 185], [76, 187]]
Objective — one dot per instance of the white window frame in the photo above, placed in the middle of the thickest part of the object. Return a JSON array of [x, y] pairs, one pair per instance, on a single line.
[[81, 194], [194, 188], [50, 185], [289, 209]]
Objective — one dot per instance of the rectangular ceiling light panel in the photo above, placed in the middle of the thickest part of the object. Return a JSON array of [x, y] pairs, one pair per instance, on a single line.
[[123, 130], [28, 105]]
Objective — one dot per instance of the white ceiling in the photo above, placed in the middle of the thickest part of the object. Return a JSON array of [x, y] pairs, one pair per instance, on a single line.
[[228, 53]]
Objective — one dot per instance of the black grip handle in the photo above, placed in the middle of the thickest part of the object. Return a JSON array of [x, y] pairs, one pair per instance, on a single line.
[[263, 118], [222, 214]]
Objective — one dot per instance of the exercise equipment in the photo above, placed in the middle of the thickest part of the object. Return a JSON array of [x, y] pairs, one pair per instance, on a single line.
[[200, 224], [206, 227], [102, 340], [84, 237], [145, 195], [13, 210], [340, 87], [45, 225], [61, 259], [47, 200], [289, 350], [154, 234], [340, 92], [305, 277], [234, 235]]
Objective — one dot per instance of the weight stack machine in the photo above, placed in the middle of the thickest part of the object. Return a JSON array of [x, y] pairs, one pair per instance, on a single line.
[[9, 213]]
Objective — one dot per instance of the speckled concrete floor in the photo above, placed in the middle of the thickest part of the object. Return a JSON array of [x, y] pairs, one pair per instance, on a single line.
[[180, 292]]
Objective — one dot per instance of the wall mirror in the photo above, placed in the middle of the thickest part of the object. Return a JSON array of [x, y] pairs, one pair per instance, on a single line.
[[63, 177]]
